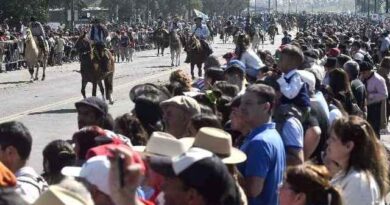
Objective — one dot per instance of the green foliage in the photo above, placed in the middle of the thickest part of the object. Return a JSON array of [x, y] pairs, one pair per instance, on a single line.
[[24, 9]]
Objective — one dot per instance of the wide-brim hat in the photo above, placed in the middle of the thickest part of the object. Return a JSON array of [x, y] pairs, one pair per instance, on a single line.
[[198, 17], [163, 144], [218, 142], [146, 90]]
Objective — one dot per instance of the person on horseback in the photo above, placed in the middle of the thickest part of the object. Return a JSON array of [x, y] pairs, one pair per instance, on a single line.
[[160, 23], [201, 32], [175, 24], [98, 37], [38, 32]]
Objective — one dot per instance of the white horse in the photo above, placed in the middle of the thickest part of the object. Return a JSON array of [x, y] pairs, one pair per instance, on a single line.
[[175, 46], [34, 56]]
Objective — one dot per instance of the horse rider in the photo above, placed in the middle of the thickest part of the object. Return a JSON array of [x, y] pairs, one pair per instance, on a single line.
[[98, 37], [160, 23], [250, 29], [202, 33], [38, 32], [175, 24]]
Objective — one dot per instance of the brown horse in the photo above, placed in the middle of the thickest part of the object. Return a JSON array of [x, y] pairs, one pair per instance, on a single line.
[[34, 57], [161, 40], [91, 71], [196, 54]]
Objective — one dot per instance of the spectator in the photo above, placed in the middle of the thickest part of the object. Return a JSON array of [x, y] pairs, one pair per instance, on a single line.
[[263, 170], [235, 74], [59, 49], [177, 114], [16, 142], [358, 89], [384, 71], [376, 95], [130, 126], [68, 192], [308, 184], [8, 188], [363, 177], [93, 111], [213, 184], [56, 155]]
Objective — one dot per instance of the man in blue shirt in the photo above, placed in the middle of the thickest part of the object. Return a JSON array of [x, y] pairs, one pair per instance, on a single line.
[[266, 160]]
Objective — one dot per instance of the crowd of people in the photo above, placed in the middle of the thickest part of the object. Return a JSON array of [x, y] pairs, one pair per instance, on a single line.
[[300, 126]]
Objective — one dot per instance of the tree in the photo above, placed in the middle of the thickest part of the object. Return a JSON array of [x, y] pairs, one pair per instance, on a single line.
[[17, 10]]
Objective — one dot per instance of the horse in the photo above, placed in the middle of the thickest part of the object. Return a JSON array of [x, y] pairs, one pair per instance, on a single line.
[[196, 54], [161, 40], [34, 56], [175, 45], [272, 31], [91, 71]]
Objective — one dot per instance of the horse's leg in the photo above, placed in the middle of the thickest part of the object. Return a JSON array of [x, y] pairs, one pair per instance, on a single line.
[[94, 84], [172, 56], [37, 71], [44, 70], [83, 85], [199, 65], [162, 51], [31, 71], [101, 88], [178, 58], [192, 70], [158, 50], [108, 84]]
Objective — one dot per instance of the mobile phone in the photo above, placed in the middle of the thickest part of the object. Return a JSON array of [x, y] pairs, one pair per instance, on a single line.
[[121, 172]]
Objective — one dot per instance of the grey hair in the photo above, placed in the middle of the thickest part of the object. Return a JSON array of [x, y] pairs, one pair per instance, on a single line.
[[352, 68]]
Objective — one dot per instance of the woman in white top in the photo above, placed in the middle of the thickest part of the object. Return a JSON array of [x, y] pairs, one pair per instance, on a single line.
[[248, 56], [363, 175]]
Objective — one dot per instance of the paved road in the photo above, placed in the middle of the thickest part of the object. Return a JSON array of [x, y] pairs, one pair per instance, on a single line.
[[47, 107]]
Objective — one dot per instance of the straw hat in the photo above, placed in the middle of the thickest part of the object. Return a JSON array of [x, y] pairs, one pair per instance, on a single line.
[[163, 144], [219, 142]]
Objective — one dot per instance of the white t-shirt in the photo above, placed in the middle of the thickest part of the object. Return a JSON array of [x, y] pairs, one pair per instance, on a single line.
[[358, 188], [30, 184], [251, 60]]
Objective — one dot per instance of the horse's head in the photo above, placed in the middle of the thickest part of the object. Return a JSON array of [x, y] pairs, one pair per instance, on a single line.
[[194, 43], [82, 44]]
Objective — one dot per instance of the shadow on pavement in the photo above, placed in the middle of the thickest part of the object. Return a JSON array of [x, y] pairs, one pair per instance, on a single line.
[[160, 66], [60, 111], [14, 82]]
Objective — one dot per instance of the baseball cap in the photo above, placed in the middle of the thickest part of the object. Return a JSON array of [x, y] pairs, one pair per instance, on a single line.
[[333, 52], [96, 170], [358, 57], [201, 170], [57, 195], [187, 103], [163, 144], [330, 62], [95, 103], [235, 64]]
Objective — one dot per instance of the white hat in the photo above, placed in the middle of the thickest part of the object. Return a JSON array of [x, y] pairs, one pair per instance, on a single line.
[[57, 195], [358, 56], [308, 78], [95, 171], [163, 144]]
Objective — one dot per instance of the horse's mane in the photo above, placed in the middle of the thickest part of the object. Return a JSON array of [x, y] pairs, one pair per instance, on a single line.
[[195, 43]]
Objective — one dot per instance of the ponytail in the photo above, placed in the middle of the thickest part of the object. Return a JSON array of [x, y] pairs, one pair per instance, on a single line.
[[334, 196]]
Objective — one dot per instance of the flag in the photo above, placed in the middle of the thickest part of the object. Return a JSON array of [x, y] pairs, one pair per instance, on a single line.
[[201, 14]]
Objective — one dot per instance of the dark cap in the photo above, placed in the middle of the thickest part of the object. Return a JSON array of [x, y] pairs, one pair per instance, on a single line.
[[311, 53], [94, 102], [201, 170], [365, 66], [198, 17], [235, 64], [330, 62]]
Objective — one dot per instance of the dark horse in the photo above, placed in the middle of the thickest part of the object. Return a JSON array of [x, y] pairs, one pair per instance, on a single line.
[[196, 54], [161, 40], [91, 71]]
